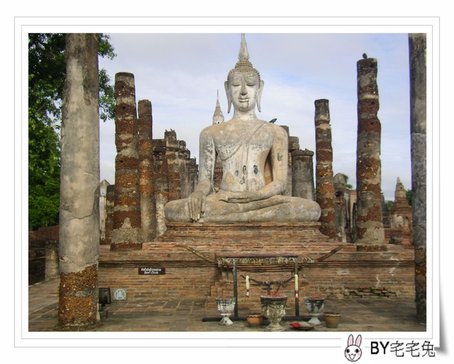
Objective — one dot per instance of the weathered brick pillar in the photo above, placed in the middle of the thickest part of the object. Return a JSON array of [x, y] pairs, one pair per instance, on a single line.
[[183, 157], [103, 209], [110, 204], [417, 46], [51, 263], [324, 168], [217, 173], [288, 188], [161, 193], [193, 174], [303, 174], [172, 158], [146, 184], [369, 222], [340, 205], [79, 185], [127, 225]]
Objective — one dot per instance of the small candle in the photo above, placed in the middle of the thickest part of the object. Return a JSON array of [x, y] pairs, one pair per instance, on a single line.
[[296, 282], [247, 282]]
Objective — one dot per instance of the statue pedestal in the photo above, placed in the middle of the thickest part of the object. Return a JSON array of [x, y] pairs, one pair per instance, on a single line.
[[245, 233], [187, 255]]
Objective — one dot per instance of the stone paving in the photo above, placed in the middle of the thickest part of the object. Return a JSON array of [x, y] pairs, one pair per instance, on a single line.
[[358, 314]]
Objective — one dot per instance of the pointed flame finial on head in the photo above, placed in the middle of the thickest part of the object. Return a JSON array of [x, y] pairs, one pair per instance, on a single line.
[[244, 53], [243, 64]]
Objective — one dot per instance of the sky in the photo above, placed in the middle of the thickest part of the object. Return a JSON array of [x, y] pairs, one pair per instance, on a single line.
[[181, 74]]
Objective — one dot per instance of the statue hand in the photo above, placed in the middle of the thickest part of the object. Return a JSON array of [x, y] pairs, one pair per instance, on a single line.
[[241, 197], [196, 205]]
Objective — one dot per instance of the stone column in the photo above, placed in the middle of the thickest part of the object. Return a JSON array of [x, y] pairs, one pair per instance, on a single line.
[[110, 204], [303, 174], [103, 209], [193, 174], [51, 262], [369, 222], [324, 168], [172, 158], [161, 192], [340, 205], [290, 141], [417, 46], [79, 185], [146, 186], [127, 225]]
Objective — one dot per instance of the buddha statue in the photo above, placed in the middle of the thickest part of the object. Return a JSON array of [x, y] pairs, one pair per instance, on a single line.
[[254, 158]]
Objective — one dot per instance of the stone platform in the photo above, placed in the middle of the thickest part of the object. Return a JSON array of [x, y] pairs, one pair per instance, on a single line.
[[188, 256], [239, 233], [186, 315]]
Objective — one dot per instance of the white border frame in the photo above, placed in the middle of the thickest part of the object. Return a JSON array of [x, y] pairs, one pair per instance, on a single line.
[[24, 25]]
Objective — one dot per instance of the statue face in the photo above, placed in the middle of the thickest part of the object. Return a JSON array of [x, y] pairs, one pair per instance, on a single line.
[[243, 88]]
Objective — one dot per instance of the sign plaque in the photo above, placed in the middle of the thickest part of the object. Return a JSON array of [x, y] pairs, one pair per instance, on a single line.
[[151, 271]]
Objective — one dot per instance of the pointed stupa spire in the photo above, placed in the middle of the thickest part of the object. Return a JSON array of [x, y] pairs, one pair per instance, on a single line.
[[400, 190], [218, 117]]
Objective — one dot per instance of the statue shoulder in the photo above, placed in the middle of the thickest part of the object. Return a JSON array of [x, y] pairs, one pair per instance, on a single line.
[[277, 130], [209, 131]]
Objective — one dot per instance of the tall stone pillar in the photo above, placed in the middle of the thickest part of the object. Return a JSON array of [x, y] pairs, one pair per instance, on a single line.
[[340, 205], [110, 204], [290, 141], [146, 186], [51, 261], [103, 209], [369, 222], [161, 193], [417, 46], [79, 185], [173, 161], [193, 174], [303, 174], [127, 226], [324, 168]]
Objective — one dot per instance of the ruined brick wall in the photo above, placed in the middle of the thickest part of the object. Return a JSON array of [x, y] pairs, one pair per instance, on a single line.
[[42, 254], [174, 174], [191, 271]]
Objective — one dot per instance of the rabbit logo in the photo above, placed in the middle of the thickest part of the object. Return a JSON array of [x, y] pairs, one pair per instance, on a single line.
[[353, 351]]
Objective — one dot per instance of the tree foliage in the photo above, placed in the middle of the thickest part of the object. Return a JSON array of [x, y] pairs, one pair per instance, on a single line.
[[46, 77], [409, 195]]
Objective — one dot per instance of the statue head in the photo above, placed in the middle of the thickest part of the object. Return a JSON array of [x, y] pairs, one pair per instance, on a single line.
[[243, 86]]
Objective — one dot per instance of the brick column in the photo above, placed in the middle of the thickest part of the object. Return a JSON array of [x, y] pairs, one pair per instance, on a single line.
[[172, 158], [303, 174], [79, 185], [146, 185], [110, 204], [324, 168], [161, 191], [127, 225], [340, 205], [369, 222], [193, 174], [417, 47]]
